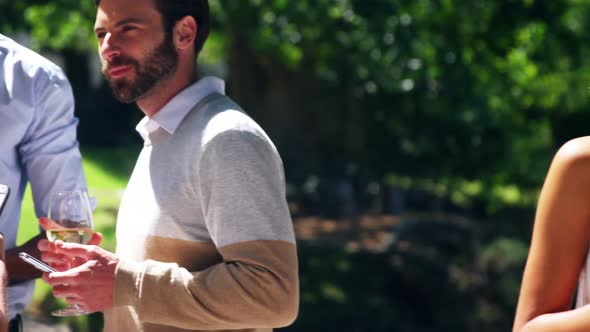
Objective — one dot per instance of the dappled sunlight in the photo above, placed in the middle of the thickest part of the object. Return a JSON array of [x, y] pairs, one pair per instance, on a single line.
[[368, 232]]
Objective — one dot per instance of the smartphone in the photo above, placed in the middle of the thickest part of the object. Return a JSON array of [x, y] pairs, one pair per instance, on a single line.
[[4, 192], [36, 263]]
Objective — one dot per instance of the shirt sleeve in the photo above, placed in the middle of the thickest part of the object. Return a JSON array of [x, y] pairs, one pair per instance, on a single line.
[[256, 285], [50, 151]]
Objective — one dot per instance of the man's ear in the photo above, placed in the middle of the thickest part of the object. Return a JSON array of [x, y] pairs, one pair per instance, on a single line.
[[185, 32]]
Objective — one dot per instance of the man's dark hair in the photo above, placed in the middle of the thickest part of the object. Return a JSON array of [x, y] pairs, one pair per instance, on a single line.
[[174, 10]]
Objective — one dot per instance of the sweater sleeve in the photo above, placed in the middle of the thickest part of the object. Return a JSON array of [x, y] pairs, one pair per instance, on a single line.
[[242, 193]]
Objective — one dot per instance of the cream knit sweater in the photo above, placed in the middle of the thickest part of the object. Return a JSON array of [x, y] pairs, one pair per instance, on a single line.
[[204, 233]]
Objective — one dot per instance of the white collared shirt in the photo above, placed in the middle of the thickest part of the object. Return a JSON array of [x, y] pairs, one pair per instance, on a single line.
[[170, 116]]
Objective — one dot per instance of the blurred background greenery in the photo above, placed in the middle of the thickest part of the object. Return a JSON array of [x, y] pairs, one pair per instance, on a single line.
[[415, 137]]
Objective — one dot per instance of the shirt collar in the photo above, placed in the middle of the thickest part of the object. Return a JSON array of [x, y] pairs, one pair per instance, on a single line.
[[170, 116]]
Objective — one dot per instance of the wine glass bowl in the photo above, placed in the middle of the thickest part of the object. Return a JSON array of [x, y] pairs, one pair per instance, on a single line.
[[71, 221]]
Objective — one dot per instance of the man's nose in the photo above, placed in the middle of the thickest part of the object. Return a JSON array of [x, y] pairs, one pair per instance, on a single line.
[[109, 48]]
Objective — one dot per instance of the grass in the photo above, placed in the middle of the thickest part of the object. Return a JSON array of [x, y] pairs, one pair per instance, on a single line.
[[107, 171]]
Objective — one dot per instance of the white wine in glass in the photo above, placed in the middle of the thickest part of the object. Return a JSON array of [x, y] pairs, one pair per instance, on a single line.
[[73, 235], [71, 217]]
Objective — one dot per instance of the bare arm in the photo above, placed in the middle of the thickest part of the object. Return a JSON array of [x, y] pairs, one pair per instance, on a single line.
[[3, 278], [19, 270], [559, 246]]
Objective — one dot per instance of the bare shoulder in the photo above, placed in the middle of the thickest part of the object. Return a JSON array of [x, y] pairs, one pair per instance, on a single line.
[[575, 151]]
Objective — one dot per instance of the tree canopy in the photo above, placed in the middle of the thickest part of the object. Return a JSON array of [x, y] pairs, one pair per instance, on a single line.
[[479, 90]]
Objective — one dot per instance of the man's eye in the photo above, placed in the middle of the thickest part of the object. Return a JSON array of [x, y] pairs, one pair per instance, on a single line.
[[128, 28], [100, 35]]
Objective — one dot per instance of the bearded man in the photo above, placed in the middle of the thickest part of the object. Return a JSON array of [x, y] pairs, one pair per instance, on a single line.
[[205, 240]]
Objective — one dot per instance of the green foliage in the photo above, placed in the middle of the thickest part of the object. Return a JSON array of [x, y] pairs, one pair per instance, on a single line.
[[64, 24], [473, 86], [467, 194], [330, 284], [477, 87], [58, 25], [11, 19]]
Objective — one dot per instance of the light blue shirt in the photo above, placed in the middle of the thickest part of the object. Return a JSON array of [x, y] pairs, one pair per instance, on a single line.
[[37, 141]]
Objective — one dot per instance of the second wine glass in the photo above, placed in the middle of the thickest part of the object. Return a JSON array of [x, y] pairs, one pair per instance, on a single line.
[[71, 217]]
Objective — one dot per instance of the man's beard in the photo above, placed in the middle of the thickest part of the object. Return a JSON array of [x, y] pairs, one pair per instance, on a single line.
[[159, 64]]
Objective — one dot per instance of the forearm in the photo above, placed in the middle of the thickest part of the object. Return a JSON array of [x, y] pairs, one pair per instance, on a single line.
[[3, 310], [3, 282], [18, 270], [577, 320], [259, 289]]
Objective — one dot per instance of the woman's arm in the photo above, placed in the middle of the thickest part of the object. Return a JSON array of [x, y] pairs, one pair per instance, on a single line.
[[559, 246], [3, 279]]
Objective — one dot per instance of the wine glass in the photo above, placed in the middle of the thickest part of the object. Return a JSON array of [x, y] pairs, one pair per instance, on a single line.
[[71, 214]]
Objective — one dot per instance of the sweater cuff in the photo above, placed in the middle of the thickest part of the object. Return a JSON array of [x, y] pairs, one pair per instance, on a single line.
[[127, 283]]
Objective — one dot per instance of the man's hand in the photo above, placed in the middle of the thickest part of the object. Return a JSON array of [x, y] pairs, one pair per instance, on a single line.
[[89, 285], [57, 260]]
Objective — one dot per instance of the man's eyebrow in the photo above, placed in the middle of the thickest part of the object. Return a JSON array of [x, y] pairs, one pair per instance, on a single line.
[[123, 22], [130, 20]]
